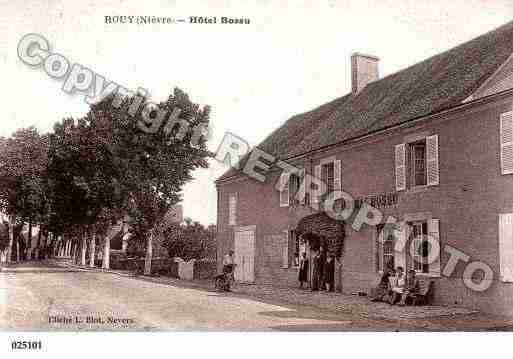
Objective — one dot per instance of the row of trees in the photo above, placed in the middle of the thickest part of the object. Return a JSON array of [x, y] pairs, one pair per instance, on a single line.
[[89, 174]]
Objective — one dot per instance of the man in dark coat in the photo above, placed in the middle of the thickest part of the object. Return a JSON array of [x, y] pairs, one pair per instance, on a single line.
[[303, 270], [322, 262]]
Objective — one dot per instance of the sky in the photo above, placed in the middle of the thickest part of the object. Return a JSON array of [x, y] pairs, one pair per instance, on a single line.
[[292, 57]]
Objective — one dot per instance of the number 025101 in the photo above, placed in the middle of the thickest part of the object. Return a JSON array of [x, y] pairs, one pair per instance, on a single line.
[[26, 345]]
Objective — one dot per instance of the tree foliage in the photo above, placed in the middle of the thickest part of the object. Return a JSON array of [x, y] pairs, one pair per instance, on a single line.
[[190, 240], [108, 165], [23, 162]]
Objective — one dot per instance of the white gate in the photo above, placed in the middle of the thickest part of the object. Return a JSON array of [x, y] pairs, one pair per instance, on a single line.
[[245, 255]]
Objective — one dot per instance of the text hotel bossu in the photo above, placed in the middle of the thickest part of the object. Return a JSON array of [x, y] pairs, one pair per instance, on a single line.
[[216, 20]]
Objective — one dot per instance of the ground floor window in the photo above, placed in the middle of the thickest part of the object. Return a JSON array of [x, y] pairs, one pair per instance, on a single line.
[[420, 251], [420, 246], [385, 248]]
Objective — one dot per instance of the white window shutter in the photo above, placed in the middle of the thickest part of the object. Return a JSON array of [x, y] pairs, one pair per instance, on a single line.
[[433, 175], [315, 194], [506, 139], [400, 167], [506, 246], [284, 189], [285, 259], [337, 183], [434, 232], [400, 235], [303, 187]]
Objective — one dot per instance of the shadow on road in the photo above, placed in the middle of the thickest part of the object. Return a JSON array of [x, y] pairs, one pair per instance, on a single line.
[[32, 267]]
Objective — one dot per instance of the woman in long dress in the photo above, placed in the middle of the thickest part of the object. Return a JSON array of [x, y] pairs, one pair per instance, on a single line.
[[329, 273], [303, 270], [316, 271]]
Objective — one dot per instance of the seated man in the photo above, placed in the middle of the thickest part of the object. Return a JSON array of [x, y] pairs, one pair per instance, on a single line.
[[398, 284], [411, 288]]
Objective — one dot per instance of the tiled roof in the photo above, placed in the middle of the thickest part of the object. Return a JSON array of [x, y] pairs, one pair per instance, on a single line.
[[438, 83]]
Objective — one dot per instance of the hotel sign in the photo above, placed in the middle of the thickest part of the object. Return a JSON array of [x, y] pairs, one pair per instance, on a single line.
[[378, 201]]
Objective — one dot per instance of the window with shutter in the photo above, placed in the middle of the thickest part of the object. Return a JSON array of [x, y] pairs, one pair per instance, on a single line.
[[506, 139], [294, 185], [425, 239], [384, 248], [419, 231], [284, 189], [328, 176], [506, 246], [433, 177], [418, 163], [400, 167]]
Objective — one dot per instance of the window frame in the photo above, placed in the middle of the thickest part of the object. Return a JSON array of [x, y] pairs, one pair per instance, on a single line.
[[412, 163], [380, 246], [293, 201], [425, 268], [326, 168]]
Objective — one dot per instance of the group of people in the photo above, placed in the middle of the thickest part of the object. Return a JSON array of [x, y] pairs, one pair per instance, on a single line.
[[394, 286], [323, 271]]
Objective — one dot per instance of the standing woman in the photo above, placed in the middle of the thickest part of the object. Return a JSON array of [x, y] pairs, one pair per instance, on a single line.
[[303, 270], [316, 271], [329, 273]]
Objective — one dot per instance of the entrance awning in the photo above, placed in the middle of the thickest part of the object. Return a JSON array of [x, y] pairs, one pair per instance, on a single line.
[[320, 229]]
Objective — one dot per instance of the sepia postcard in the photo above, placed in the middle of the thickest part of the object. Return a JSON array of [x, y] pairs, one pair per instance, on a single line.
[[335, 166]]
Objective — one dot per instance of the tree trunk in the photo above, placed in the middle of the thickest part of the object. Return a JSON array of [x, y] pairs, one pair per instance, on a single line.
[[29, 244], [92, 248], [77, 251], [61, 241], [106, 253], [38, 245], [11, 239], [84, 248], [17, 239], [149, 254]]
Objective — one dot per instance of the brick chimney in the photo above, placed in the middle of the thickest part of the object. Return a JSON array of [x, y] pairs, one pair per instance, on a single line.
[[364, 70]]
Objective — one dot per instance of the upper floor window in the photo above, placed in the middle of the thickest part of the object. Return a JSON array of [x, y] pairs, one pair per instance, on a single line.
[[418, 173], [232, 209], [294, 186], [289, 187], [328, 176], [329, 172], [416, 163]]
